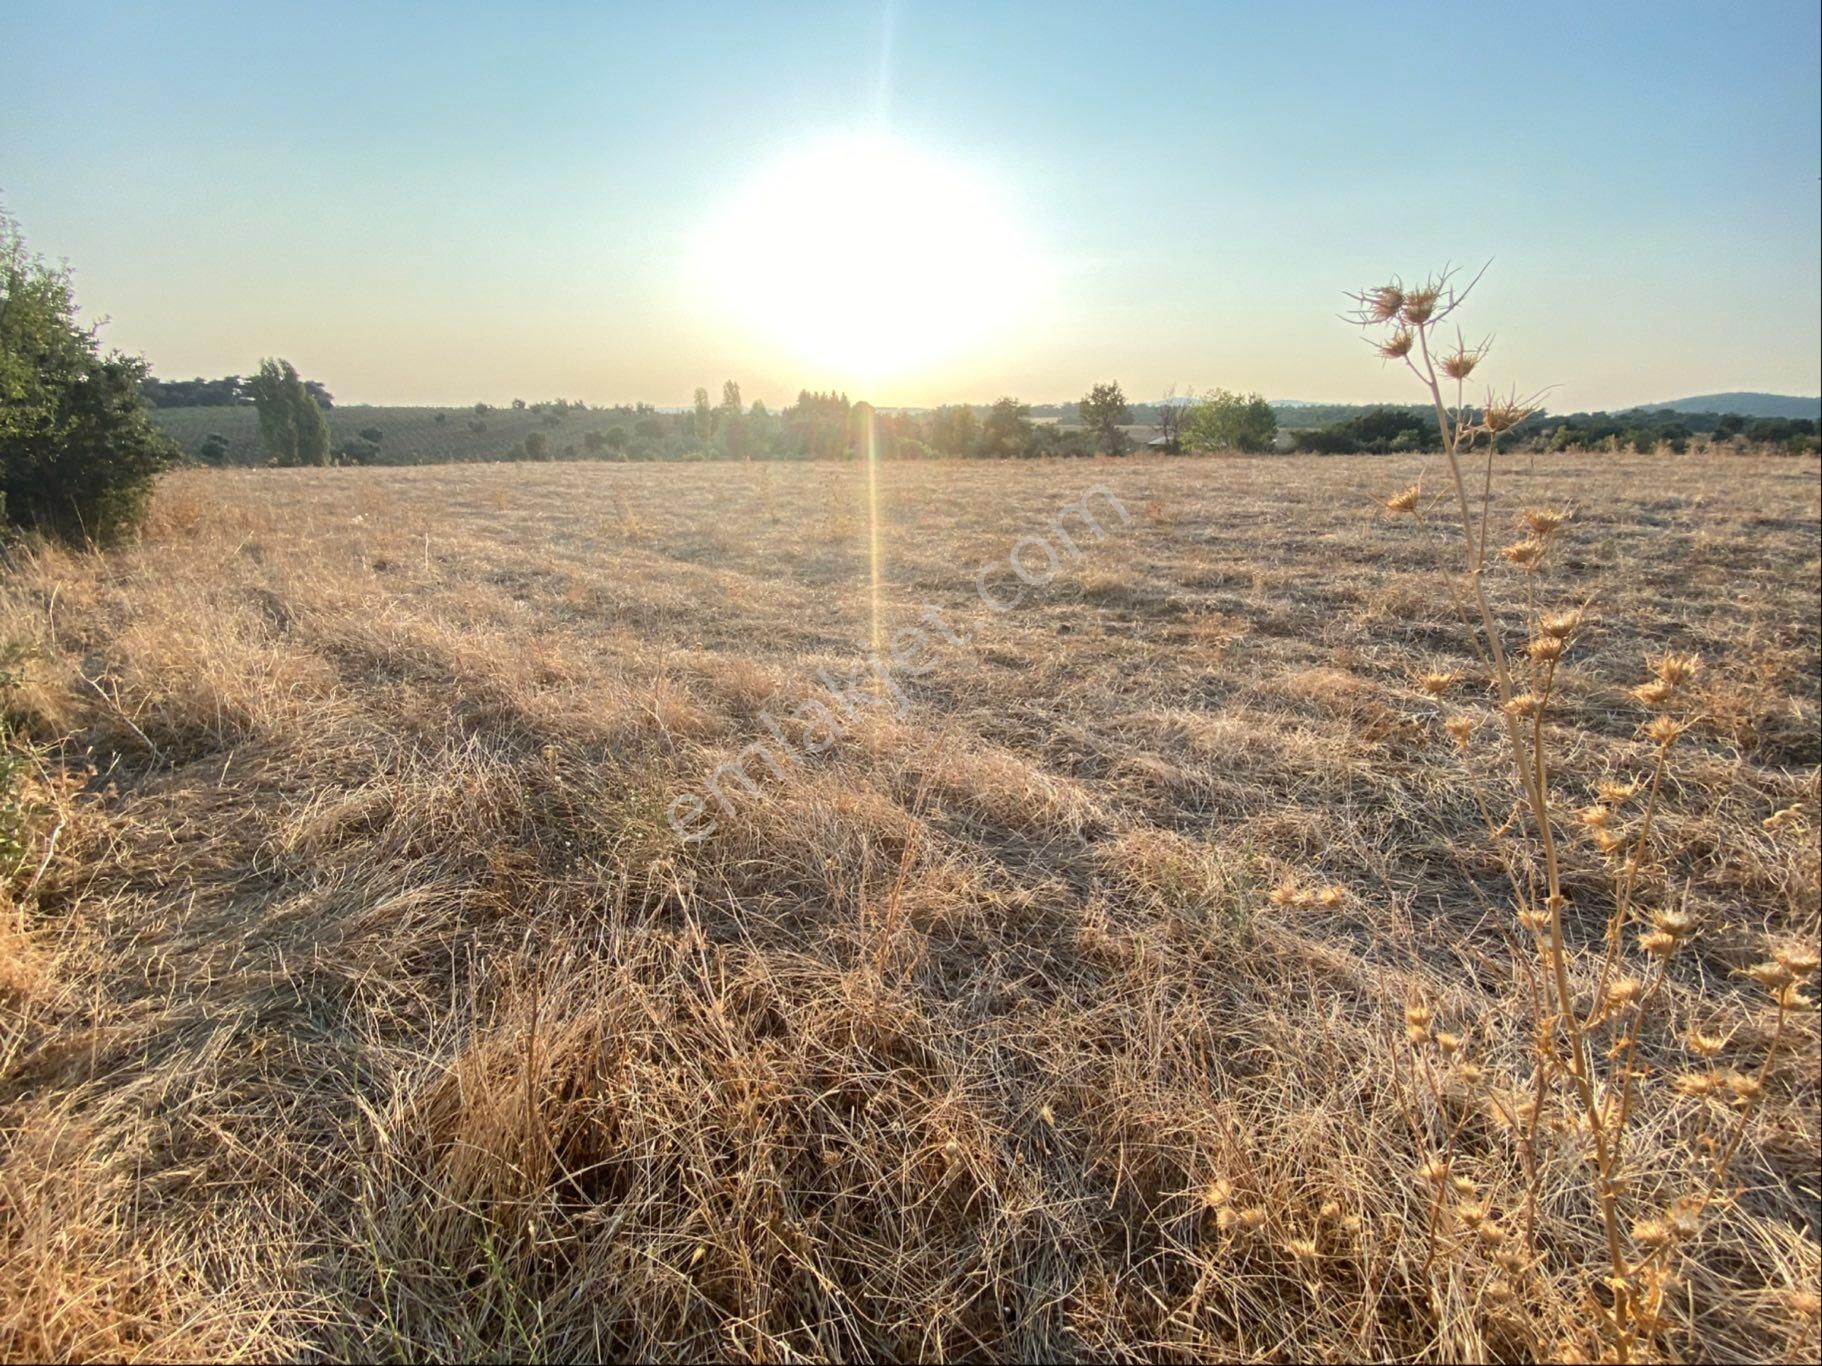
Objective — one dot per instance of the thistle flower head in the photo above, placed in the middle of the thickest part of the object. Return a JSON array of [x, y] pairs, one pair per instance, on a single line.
[[1461, 728], [1653, 694], [1242, 1220], [1705, 1045], [1624, 991], [1663, 731], [1657, 943], [1503, 414], [1773, 975], [1675, 923], [1562, 625], [1405, 500], [1800, 959], [1383, 304], [1398, 345], [1545, 649], [1543, 521], [1460, 362], [1744, 1088], [1437, 682], [1651, 1233], [1525, 705], [1420, 304], [1685, 1216], [1695, 1085], [1526, 554], [1616, 794], [1676, 669]]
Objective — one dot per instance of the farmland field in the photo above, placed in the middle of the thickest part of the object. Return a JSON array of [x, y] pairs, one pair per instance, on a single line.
[[371, 1001], [410, 436]]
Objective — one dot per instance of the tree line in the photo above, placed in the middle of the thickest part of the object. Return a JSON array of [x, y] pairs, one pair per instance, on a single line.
[[231, 391], [1395, 429], [79, 450]]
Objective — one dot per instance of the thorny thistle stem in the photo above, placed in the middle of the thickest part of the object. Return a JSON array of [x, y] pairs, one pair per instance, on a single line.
[[1455, 430], [1606, 1090]]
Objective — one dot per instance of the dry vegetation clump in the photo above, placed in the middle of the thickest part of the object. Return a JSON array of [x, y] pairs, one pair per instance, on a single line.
[[366, 1005]]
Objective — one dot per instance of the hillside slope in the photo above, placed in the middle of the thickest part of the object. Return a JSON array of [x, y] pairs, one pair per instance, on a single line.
[[409, 436], [1746, 404]]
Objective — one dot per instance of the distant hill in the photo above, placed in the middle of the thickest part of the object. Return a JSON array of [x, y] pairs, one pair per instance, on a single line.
[[1745, 404], [408, 435]]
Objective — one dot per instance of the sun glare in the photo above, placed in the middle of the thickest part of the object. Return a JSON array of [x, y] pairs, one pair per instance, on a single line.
[[866, 257]]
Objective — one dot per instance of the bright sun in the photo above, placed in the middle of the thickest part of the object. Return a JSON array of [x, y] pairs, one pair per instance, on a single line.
[[868, 258]]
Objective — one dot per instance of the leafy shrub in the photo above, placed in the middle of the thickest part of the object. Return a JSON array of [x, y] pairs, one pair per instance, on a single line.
[[1221, 420], [212, 449], [360, 451], [78, 451]]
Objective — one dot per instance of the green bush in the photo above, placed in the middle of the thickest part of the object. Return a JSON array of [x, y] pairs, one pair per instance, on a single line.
[[1221, 420], [78, 450], [291, 421]]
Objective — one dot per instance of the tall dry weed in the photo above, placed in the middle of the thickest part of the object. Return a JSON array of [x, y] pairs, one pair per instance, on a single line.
[[1569, 1108]]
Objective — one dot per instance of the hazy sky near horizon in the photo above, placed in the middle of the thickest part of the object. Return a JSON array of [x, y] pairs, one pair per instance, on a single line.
[[444, 203]]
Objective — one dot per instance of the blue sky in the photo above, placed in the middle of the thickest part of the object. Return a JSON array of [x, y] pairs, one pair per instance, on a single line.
[[447, 202]]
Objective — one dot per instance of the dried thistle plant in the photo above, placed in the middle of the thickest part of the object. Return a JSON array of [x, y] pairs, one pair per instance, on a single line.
[[1587, 1077]]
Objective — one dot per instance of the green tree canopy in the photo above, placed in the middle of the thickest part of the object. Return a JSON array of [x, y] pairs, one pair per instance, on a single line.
[[78, 452], [1221, 420], [1104, 410], [291, 423], [1008, 431]]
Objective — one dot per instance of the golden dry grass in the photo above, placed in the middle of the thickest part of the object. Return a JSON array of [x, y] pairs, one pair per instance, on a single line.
[[366, 1005]]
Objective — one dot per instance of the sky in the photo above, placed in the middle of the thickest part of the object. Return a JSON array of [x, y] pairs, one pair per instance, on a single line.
[[452, 202]]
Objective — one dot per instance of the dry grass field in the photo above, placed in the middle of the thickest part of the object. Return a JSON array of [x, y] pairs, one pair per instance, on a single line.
[[358, 998]]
